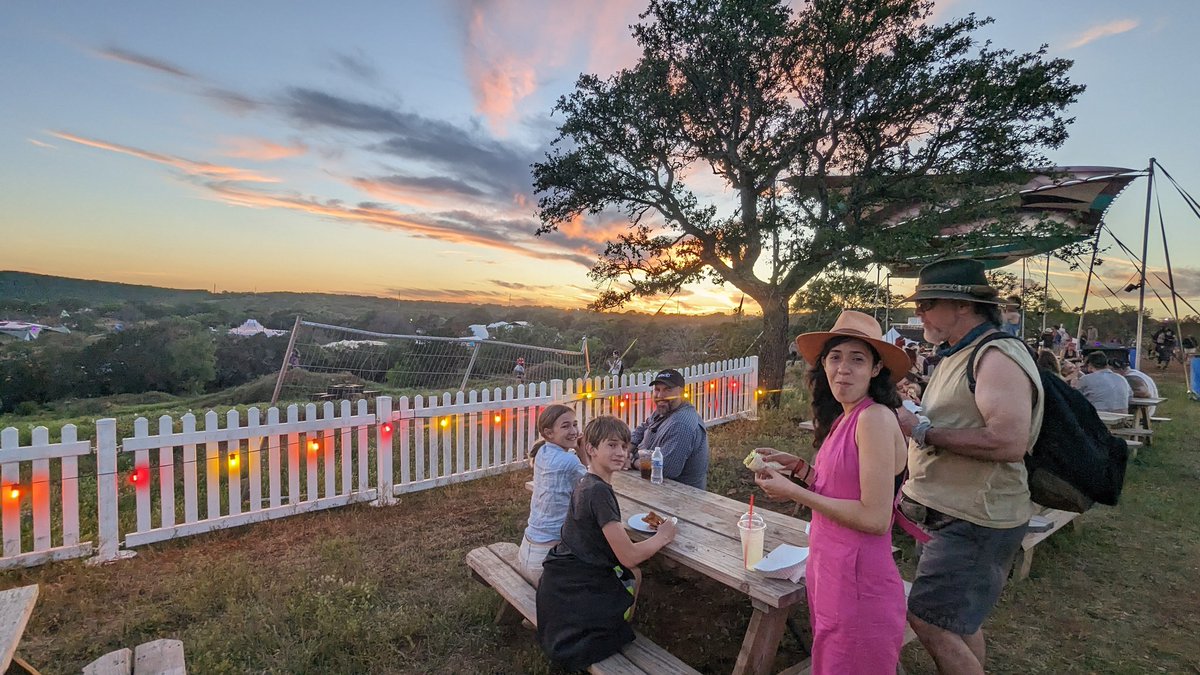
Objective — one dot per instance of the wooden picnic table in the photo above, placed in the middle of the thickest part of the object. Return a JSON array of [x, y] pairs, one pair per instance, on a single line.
[[1113, 419], [708, 542], [16, 605], [1140, 408]]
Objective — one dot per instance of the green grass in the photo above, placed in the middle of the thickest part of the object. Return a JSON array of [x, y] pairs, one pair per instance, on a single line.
[[367, 590]]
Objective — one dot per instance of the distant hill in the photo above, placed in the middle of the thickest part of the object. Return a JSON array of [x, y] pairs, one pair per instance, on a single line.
[[30, 287]]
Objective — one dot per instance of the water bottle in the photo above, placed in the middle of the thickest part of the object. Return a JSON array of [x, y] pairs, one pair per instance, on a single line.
[[656, 462]]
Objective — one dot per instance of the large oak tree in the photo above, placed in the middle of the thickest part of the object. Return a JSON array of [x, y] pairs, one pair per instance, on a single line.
[[848, 132]]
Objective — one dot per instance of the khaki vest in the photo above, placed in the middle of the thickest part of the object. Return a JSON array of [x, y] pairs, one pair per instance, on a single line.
[[991, 494]]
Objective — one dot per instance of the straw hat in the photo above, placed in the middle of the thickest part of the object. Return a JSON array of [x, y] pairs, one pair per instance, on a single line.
[[860, 326]]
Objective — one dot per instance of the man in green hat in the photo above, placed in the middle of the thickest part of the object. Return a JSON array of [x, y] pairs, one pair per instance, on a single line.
[[967, 483]]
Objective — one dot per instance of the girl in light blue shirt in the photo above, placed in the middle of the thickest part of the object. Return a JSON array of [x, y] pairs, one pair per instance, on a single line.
[[556, 470]]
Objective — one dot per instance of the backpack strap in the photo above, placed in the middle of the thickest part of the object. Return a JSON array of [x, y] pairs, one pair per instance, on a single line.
[[1000, 335]]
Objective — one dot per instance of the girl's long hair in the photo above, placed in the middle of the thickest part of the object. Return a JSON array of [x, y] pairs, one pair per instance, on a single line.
[[826, 408], [546, 420]]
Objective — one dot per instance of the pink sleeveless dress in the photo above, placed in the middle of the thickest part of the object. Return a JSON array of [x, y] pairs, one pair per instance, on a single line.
[[855, 595]]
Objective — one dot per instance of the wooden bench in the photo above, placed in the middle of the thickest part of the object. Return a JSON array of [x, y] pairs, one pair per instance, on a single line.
[[497, 566], [1058, 520], [160, 657]]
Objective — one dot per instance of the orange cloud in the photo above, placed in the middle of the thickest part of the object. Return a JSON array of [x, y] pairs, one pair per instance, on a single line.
[[261, 149], [191, 168], [1102, 31]]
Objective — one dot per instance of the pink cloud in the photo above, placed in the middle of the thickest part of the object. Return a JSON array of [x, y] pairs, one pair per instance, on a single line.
[[1102, 31], [191, 168], [508, 56], [41, 144], [261, 149]]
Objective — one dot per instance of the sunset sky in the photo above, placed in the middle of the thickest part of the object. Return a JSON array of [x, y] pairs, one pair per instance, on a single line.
[[384, 148]]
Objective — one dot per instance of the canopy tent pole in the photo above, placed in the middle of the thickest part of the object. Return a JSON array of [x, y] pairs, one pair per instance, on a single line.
[[1137, 352], [1046, 294], [1162, 226], [1024, 263], [1087, 286], [887, 312]]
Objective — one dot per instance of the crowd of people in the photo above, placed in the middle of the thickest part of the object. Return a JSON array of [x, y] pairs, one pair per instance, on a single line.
[[904, 436]]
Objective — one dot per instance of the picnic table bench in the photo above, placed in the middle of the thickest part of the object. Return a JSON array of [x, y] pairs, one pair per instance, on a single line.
[[497, 566], [1058, 520], [16, 606]]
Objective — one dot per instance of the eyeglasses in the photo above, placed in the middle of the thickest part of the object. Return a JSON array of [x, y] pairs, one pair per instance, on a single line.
[[926, 305]]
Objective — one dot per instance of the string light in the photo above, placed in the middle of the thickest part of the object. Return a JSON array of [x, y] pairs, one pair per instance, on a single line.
[[712, 385], [588, 395], [387, 427], [140, 475], [14, 492], [233, 460], [445, 422], [314, 445], [497, 418], [622, 404]]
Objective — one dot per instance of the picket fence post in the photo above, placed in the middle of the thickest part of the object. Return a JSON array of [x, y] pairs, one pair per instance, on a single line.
[[383, 452], [108, 531], [754, 388]]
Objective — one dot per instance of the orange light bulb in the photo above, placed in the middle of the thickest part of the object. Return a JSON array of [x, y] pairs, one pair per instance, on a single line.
[[497, 419], [233, 461], [314, 446]]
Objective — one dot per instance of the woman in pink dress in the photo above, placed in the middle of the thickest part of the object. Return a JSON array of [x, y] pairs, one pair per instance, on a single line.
[[855, 595]]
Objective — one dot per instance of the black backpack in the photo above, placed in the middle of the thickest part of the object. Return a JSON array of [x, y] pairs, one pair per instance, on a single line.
[[1076, 460]]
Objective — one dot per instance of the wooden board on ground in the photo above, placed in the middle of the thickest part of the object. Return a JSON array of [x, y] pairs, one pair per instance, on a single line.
[[160, 657], [119, 662]]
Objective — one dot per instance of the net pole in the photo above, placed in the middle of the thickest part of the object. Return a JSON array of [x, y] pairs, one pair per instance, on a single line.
[[470, 367], [287, 356]]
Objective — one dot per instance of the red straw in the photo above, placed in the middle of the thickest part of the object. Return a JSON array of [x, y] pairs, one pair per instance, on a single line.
[[751, 507]]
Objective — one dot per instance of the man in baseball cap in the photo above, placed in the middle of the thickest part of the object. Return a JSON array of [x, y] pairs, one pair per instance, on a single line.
[[677, 430]]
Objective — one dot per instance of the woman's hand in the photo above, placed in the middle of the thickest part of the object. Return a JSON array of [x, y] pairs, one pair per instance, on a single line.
[[777, 487], [786, 459]]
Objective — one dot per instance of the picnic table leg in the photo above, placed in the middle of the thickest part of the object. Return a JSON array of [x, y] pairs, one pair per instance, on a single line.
[[762, 640]]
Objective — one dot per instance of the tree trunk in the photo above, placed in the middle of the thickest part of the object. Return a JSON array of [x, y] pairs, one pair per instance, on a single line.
[[772, 350]]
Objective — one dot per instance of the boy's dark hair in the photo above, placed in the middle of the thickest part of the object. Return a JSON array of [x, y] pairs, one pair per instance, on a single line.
[[604, 427], [1097, 359]]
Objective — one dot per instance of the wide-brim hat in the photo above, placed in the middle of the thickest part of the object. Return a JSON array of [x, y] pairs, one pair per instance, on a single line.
[[955, 279], [862, 327]]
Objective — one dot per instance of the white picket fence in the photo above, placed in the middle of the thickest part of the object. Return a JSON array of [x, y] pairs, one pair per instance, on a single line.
[[249, 470]]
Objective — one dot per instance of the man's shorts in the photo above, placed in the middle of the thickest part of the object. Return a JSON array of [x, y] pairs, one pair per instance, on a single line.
[[961, 572]]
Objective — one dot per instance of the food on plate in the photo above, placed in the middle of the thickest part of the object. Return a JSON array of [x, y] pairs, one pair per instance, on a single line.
[[755, 462], [653, 520]]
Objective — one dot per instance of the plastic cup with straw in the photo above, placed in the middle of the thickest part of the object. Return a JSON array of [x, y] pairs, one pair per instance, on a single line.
[[752, 530]]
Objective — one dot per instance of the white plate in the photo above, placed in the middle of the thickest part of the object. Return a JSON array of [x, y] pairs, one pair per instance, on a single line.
[[635, 521], [783, 557]]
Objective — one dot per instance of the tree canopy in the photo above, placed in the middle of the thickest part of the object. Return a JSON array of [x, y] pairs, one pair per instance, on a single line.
[[823, 124]]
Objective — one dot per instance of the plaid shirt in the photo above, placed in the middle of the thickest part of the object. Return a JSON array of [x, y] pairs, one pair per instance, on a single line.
[[684, 443]]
